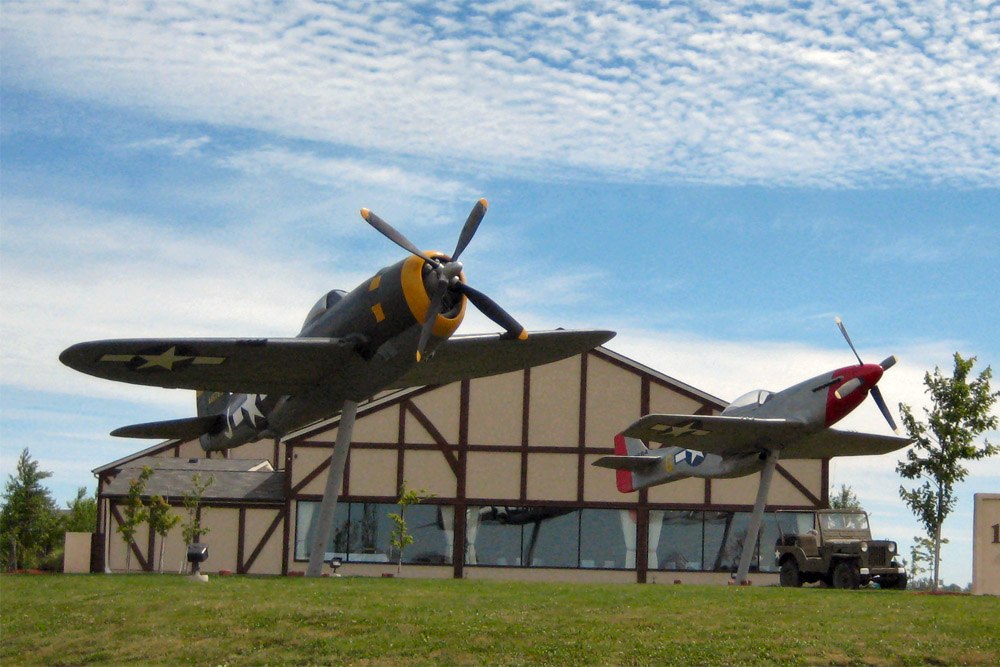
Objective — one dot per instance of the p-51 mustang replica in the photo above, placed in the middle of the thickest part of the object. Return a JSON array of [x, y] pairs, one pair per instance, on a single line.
[[392, 331], [751, 433]]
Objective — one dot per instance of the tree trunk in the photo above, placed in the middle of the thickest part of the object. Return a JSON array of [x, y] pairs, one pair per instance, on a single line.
[[163, 540], [937, 543]]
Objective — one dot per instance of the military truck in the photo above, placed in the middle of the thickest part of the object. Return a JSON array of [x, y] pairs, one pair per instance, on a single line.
[[834, 547]]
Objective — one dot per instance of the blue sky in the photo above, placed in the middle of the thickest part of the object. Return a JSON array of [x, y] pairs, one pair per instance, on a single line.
[[716, 181]]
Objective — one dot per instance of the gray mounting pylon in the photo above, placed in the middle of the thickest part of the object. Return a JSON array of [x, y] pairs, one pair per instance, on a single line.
[[756, 517], [334, 480]]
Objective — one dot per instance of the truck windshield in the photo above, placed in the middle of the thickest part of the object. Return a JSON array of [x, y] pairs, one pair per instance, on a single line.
[[845, 521]]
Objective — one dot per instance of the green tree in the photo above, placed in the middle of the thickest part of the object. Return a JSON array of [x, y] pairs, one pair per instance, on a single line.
[[134, 514], [29, 528], [922, 551], [960, 412], [844, 499], [192, 529], [161, 521], [400, 538], [82, 516]]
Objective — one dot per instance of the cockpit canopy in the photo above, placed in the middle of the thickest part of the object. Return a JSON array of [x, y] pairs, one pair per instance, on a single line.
[[755, 397], [325, 303]]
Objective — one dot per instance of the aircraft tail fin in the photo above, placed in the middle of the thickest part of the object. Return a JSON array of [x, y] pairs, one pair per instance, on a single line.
[[212, 402], [629, 458]]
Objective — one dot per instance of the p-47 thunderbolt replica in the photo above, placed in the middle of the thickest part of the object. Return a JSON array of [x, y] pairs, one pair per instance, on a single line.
[[752, 432], [392, 331]]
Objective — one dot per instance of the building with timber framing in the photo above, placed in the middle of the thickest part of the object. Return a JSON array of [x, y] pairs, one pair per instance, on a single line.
[[511, 493]]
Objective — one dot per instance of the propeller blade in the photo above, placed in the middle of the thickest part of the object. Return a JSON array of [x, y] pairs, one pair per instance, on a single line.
[[880, 402], [843, 330], [889, 362], [432, 312], [492, 310], [393, 235], [469, 230]]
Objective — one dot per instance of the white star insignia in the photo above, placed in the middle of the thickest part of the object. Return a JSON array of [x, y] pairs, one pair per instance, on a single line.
[[251, 408], [164, 360]]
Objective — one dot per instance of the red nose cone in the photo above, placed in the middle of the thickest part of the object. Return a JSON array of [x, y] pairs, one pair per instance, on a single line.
[[842, 398], [871, 374]]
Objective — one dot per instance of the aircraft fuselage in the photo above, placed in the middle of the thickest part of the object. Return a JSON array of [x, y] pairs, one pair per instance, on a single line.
[[380, 319], [816, 403]]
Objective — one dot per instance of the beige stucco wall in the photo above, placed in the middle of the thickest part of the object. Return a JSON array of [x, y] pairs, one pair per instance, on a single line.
[[222, 535], [495, 408], [554, 386], [613, 401], [986, 545]]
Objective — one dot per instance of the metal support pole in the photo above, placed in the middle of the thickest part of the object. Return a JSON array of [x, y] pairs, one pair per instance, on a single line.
[[750, 543], [334, 479]]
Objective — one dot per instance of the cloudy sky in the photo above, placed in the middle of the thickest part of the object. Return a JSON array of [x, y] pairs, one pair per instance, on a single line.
[[714, 180]]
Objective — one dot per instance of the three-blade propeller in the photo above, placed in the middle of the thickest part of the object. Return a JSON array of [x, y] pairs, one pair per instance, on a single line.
[[448, 274], [875, 392]]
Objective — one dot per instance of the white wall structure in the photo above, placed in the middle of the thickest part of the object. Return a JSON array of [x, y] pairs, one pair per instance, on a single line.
[[986, 544]]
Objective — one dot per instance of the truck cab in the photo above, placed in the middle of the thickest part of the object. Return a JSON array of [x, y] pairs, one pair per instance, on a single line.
[[835, 547]]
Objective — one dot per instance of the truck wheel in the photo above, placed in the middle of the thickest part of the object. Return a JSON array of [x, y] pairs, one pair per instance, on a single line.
[[894, 581], [846, 575], [790, 575]]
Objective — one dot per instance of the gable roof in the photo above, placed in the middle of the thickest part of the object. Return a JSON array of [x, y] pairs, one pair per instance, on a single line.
[[247, 480]]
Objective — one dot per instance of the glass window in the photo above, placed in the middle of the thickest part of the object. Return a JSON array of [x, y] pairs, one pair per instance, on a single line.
[[370, 530], [675, 540], [304, 515], [496, 539], [430, 544], [604, 543], [724, 535], [552, 538], [523, 536]]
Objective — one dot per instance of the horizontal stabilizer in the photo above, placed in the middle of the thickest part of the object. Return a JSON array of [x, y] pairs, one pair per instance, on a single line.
[[630, 463], [173, 429]]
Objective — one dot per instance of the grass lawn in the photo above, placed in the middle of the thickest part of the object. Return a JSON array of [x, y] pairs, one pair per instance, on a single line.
[[167, 619]]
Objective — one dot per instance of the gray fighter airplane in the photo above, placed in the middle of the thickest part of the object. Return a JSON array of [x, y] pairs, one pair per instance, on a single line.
[[752, 432], [392, 331]]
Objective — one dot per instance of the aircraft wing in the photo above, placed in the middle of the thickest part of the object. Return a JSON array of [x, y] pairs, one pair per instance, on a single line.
[[249, 366], [716, 434], [730, 436], [829, 442], [466, 357]]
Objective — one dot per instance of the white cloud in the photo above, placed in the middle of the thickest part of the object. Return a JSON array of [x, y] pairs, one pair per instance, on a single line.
[[175, 145], [835, 93]]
